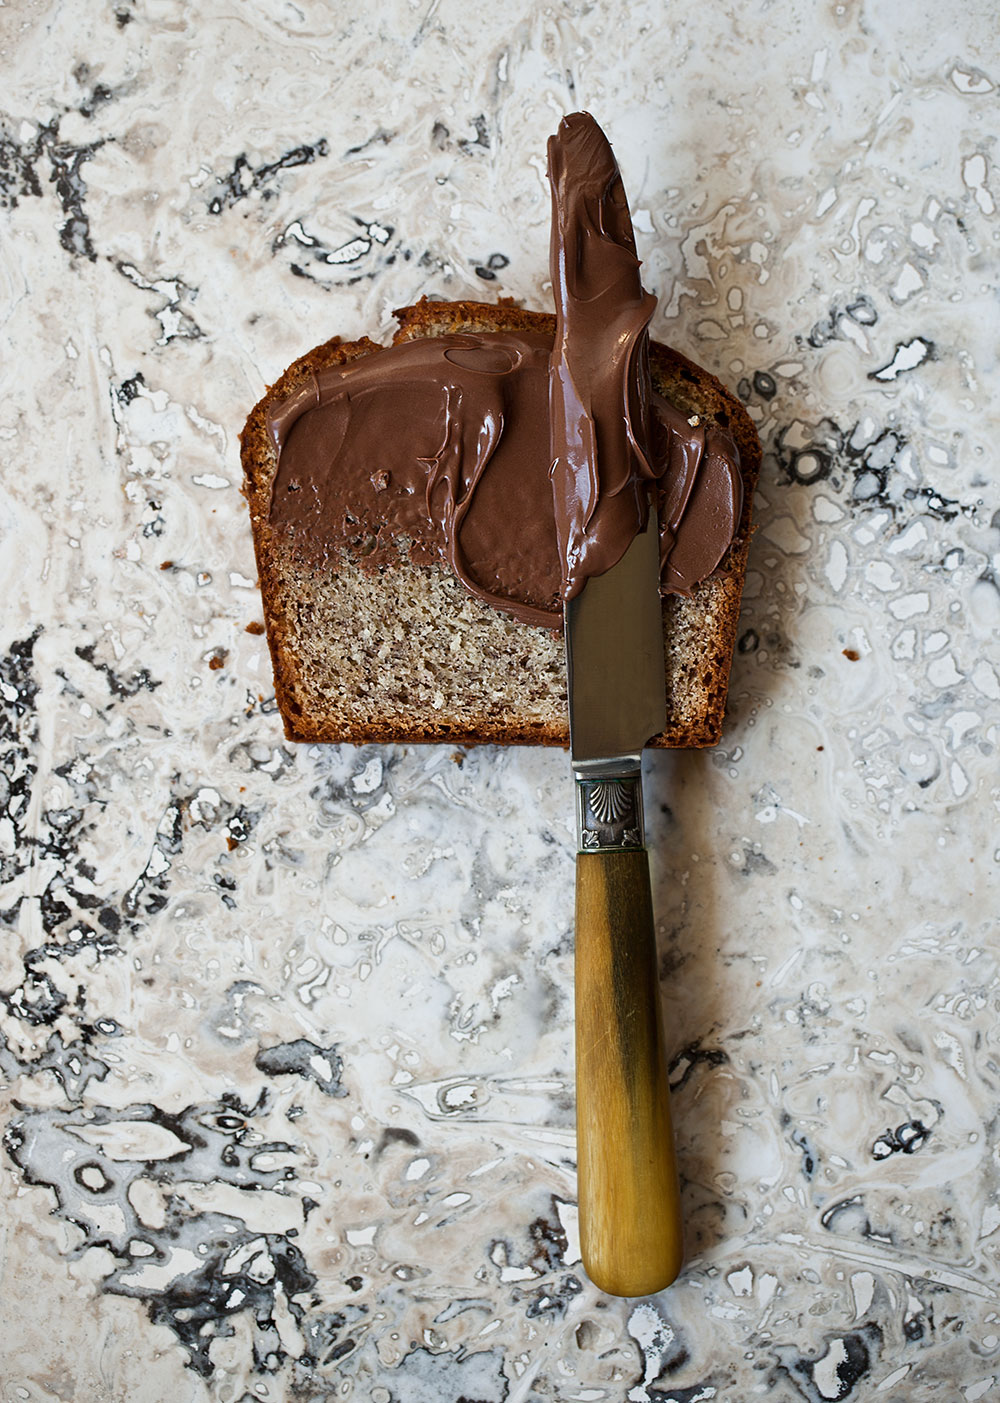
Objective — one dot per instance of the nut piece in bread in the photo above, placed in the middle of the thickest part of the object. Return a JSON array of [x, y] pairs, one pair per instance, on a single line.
[[408, 655]]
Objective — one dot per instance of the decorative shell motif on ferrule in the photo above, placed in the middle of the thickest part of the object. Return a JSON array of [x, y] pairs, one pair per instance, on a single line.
[[609, 813], [609, 799]]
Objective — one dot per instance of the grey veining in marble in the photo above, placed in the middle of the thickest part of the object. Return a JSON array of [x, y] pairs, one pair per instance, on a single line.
[[286, 1054]]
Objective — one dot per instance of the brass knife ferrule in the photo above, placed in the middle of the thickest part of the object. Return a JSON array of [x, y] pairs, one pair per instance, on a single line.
[[609, 812]]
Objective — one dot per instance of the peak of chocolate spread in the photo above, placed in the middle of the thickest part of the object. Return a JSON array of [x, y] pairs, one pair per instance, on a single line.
[[523, 465], [599, 386]]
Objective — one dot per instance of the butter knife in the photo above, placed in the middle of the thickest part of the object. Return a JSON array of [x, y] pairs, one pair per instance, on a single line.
[[628, 1190], [599, 395]]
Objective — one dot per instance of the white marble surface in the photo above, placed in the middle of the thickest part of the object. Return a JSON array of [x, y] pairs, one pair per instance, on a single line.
[[286, 1069]]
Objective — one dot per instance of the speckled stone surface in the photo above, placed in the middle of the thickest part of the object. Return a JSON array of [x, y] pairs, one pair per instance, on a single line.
[[286, 1057]]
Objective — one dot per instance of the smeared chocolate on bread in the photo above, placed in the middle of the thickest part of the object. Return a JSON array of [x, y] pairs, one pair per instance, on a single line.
[[374, 638]]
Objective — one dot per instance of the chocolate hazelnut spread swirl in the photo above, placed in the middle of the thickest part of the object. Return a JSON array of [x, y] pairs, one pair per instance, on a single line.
[[442, 448], [599, 387], [614, 441]]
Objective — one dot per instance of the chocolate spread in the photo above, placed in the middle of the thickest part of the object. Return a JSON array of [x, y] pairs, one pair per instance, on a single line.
[[439, 448], [599, 387]]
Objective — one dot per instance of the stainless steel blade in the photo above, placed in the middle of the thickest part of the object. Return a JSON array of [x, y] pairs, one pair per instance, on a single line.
[[614, 660]]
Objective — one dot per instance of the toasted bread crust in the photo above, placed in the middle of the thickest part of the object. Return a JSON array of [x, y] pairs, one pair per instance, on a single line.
[[340, 674]]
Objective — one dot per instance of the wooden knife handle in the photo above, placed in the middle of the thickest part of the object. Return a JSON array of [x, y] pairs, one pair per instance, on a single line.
[[630, 1222]]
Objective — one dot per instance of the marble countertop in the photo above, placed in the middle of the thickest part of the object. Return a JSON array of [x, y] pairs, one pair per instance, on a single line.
[[286, 1057]]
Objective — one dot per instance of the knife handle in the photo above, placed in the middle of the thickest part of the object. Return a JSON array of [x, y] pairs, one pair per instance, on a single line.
[[630, 1223]]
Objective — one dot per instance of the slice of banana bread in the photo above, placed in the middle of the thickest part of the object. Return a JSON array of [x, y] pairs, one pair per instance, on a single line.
[[404, 653]]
